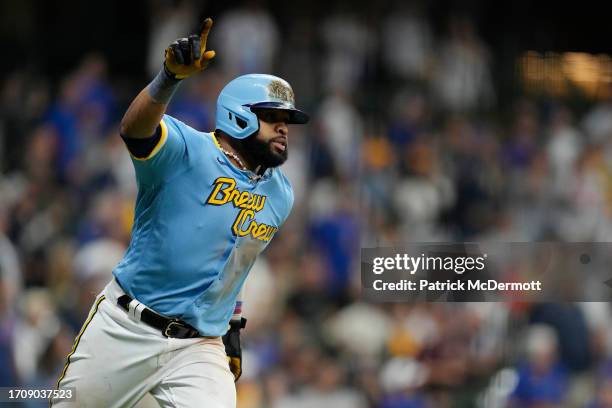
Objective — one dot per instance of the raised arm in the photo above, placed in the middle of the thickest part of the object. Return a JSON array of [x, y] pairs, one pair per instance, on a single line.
[[183, 58]]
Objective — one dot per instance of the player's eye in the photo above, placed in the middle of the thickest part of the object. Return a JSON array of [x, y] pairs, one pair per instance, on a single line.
[[272, 116]]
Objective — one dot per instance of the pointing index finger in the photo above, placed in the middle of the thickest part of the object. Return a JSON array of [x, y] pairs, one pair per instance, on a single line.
[[204, 30]]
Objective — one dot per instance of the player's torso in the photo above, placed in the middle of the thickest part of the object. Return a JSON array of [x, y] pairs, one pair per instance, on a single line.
[[196, 237]]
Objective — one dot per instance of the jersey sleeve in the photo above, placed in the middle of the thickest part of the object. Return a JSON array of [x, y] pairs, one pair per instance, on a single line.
[[289, 198], [170, 156]]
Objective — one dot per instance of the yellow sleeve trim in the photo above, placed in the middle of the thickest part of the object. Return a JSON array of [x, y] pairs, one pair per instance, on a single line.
[[159, 145]]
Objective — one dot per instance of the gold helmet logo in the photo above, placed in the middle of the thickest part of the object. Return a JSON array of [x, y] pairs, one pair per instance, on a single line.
[[280, 90]]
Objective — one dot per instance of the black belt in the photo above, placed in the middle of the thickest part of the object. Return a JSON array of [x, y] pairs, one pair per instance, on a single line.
[[169, 327]]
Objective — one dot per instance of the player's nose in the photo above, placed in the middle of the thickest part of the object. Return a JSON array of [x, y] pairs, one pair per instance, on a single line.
[[282, 128]]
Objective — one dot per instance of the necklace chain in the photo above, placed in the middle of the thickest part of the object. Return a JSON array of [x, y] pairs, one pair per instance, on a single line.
[[240, 163], [235, 157]]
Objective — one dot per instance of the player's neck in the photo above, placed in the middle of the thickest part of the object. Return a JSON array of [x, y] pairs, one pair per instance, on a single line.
[[239, 160]]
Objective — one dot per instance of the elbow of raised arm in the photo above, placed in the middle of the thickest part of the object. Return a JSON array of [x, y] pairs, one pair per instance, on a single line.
[[124, 128]]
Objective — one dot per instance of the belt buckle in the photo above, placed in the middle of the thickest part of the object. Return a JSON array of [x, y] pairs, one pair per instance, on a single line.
[[169, 327]]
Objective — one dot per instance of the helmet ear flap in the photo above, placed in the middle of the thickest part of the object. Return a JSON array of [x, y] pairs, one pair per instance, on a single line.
[[236, 121], [240, 122]]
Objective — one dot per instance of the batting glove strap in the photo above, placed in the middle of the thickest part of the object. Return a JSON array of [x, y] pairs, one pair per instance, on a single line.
[[169, 74], [231, 340]]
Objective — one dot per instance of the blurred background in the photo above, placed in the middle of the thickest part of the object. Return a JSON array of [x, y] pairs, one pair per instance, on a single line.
[[432, 122]]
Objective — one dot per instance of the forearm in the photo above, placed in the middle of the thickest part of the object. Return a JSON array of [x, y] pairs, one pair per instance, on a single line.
[[146, 110], [142, 117]]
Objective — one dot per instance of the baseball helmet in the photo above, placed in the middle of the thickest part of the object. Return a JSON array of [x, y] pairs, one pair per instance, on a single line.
[[239, 100]]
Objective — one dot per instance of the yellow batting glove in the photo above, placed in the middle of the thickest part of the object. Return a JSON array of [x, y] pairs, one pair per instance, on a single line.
[[187, 56], [235, 364]]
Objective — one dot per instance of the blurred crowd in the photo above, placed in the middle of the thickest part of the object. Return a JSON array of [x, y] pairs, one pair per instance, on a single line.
[[408, 143]]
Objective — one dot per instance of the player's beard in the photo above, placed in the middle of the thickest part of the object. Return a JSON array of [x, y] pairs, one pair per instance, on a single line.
[[260, 152]]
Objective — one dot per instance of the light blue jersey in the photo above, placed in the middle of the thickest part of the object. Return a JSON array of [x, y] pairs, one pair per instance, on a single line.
[[199, 224]]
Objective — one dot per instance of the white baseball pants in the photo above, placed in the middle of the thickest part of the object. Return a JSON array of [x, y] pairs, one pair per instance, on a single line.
[[116, 360]]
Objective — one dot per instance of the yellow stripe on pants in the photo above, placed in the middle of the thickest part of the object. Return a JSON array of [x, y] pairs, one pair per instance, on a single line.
[[78, 339]]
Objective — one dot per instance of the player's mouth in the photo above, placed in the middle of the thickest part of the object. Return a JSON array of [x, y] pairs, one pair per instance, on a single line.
[[280, 144]]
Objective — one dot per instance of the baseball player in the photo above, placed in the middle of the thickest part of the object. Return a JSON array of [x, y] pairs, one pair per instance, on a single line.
[[207, 205]]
